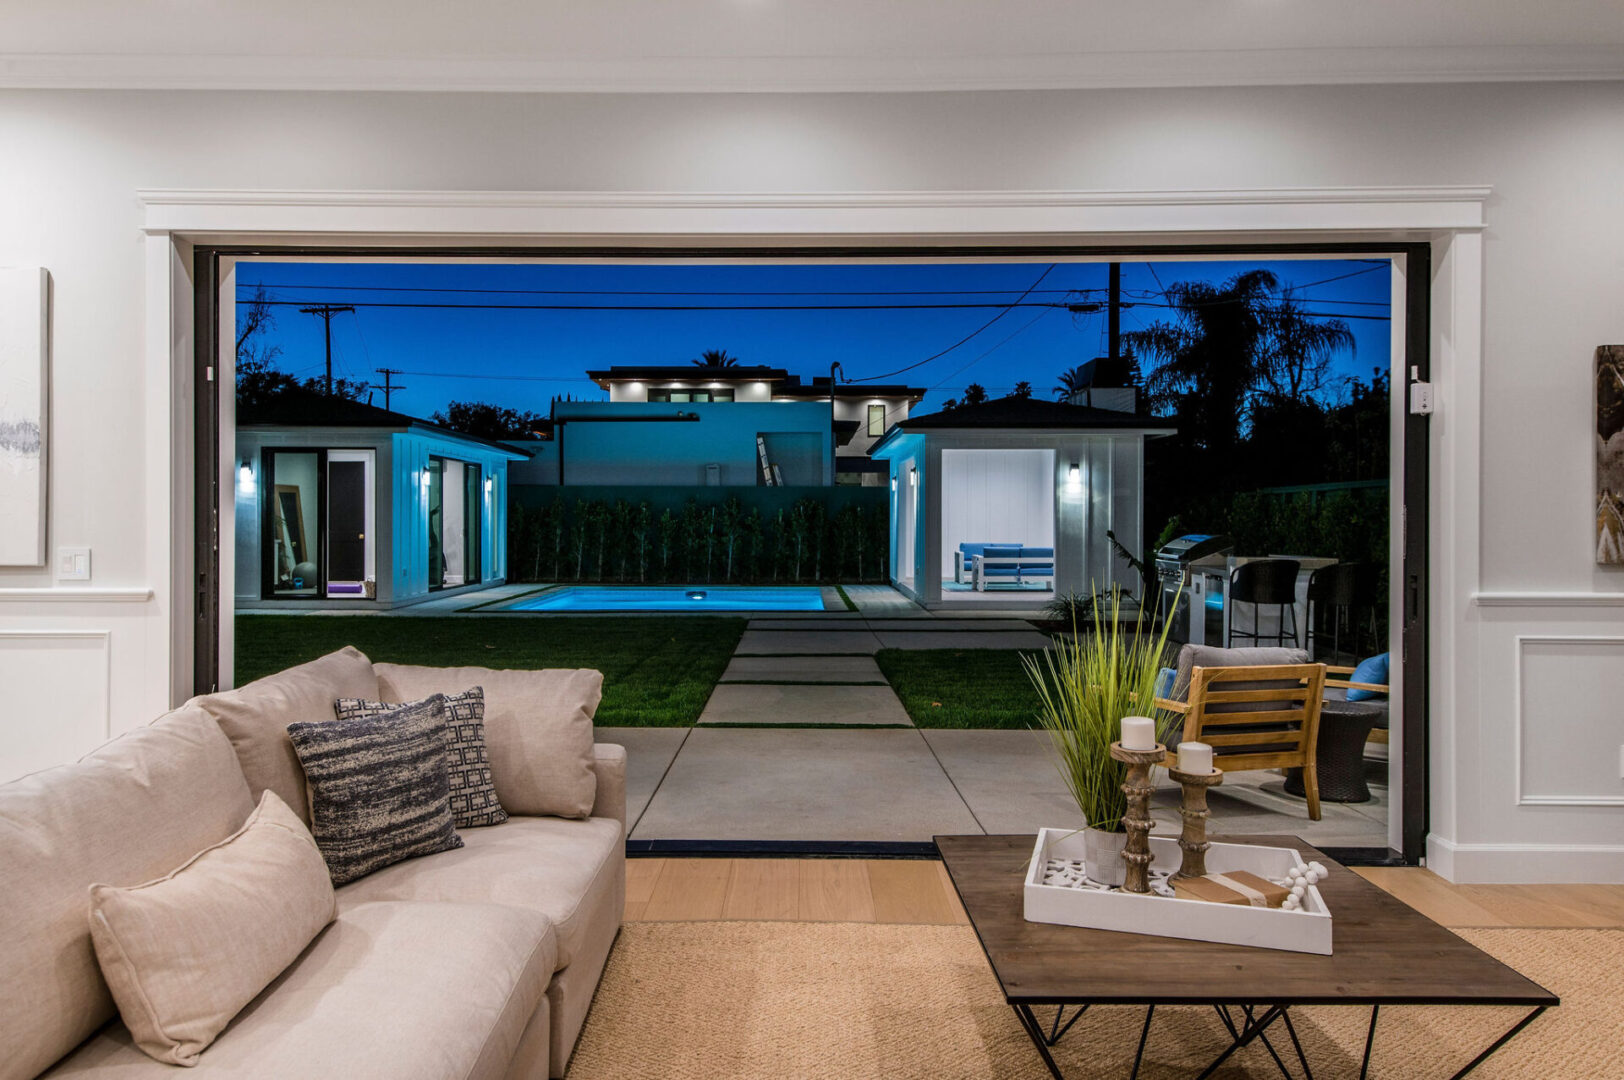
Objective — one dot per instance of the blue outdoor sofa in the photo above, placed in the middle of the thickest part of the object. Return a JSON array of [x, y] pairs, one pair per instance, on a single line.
[[986, 563]]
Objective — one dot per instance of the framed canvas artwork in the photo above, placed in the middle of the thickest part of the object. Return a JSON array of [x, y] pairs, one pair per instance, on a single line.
[[1610, 455], [24, 385]]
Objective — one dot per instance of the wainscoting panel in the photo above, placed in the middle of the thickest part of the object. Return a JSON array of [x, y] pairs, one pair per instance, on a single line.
[[58, 705], [1570, 725]]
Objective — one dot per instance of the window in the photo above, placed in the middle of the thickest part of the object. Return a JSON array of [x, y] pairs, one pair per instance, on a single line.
[[876, 419], [695, 396]]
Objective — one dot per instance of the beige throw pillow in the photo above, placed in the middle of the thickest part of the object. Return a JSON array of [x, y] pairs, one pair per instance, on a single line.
[[538, 729], [256, 717], [185, 953]]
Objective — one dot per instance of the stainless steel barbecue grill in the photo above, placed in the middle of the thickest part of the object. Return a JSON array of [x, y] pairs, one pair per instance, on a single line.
[[1173, 571]]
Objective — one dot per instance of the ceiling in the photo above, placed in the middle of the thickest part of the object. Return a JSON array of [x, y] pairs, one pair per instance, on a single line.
[[799, 45]]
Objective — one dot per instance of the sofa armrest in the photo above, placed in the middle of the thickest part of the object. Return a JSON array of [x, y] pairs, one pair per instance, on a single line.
[[609, 762]]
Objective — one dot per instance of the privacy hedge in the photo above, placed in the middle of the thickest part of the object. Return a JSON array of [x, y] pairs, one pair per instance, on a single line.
[[753, 539]]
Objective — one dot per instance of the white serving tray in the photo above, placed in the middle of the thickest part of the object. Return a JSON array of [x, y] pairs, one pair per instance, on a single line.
[[1307, 930]]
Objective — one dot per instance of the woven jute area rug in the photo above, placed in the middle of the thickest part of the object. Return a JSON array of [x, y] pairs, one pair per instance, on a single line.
[[760, 999]]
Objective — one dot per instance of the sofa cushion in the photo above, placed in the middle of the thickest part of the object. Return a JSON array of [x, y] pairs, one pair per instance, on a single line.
[[387, 992], [379, 791], [256, 717], [130, 811], [564, 869], [538, 727], [1192, 656], [184, 953], [468, 763]]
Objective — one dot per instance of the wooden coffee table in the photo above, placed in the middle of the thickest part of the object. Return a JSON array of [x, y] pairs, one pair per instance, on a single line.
[[1386, 953]]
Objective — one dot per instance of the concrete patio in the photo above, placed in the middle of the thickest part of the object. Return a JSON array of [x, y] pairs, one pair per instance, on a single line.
[[892, 785]]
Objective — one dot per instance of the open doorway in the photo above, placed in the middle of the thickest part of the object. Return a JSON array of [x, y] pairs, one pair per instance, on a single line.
[[1012, 513]]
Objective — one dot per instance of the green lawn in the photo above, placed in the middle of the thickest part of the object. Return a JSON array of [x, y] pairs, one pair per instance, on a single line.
[[657, 672], [962, 688]]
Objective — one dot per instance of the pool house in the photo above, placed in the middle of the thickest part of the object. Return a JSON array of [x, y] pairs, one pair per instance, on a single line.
[[1009, 502], [343, 505]]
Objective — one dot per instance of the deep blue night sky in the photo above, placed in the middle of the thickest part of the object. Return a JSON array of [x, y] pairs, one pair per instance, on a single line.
[[522, 357]]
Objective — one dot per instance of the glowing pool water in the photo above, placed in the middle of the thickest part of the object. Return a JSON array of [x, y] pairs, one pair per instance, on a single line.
[[673, 598]]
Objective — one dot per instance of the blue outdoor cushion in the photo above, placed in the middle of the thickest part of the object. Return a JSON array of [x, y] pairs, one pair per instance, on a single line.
[[980, 547], [1037, 553], [1164, 682], [1373, 670]]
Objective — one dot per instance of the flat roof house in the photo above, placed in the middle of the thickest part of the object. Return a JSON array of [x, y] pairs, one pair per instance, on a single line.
[[343, 504], [1009, 501], [776, 429]]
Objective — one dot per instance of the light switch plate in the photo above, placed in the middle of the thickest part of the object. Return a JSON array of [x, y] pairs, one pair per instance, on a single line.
[[73, 564]]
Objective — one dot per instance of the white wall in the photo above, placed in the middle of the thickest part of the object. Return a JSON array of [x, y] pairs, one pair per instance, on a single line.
[[1553, 275], [996, 495]]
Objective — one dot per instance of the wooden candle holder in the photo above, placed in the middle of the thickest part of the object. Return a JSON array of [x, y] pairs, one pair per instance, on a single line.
[[1137, 820], [1193, 840]]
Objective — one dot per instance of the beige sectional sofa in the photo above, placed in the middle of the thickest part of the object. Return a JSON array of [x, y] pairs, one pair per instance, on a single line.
[[471, 963]]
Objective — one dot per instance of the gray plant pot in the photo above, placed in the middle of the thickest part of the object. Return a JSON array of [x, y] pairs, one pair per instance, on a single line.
[[1102, 856]]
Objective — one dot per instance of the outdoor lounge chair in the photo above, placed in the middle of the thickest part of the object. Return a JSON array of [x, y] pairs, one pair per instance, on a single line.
[[1257, 708], [1016, 565], [967, 553]]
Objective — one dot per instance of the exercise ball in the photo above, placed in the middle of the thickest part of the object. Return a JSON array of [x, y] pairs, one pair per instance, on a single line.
[[304, 575]]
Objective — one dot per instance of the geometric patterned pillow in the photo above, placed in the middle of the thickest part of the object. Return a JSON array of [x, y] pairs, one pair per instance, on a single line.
[[468, 764], [378, 788]]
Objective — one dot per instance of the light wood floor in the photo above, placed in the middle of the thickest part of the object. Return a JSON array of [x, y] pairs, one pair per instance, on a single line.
[[918, 891]]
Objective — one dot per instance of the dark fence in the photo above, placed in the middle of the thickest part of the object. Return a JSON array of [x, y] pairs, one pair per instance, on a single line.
[[703, 535]]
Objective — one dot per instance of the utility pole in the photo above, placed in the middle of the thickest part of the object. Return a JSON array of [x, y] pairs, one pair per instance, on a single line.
[[388, 386], [1115, 316], [327, 311]]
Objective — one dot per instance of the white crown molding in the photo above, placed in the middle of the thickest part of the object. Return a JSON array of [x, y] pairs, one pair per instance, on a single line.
[[1057, 214], [818, 74], [54, 595]]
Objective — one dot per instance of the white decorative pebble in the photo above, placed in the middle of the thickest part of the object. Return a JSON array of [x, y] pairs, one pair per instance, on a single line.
[[1297, 892]]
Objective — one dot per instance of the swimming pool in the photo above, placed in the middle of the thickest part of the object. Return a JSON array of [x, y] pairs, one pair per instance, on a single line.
[[672, 598]]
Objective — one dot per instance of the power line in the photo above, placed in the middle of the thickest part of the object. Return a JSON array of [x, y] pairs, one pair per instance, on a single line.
[[1023, 329], [965, 338], [658, 292], [1004, 309]]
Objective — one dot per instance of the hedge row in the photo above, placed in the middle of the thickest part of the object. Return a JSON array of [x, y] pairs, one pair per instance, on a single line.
[[621, 540]]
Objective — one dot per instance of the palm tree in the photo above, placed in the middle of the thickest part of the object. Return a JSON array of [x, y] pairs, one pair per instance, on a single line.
[[1023, 389], [1211, 355], [1078, 378], [716, 358], [975, 394], [1298, 360]]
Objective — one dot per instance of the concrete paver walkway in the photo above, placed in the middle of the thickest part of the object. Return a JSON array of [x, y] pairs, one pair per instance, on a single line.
[[852, 670], [804, 705], [804, 784]]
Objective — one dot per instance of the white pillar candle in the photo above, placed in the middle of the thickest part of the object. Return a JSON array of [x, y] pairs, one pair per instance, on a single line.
[[1138, 733], [1195, 758]]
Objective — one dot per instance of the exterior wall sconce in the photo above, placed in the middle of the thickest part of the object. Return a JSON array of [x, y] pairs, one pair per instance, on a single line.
[[245, 477], [1074, 478], [913, 477], [893, 485]]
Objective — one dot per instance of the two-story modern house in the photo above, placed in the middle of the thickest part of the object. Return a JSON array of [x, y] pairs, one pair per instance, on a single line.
[[720, 426]]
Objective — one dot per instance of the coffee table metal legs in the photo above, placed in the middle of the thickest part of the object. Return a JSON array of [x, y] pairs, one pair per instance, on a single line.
[[1501, 1041], [1253, 1028]]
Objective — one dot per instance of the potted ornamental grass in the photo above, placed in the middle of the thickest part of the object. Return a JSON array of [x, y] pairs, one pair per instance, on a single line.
[[1086, 684]]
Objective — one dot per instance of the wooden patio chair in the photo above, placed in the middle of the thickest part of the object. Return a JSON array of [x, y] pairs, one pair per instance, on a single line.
[[1257, 718]]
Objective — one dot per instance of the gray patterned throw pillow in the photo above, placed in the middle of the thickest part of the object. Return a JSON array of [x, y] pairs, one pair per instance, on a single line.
[[378, 787], [468, 763]]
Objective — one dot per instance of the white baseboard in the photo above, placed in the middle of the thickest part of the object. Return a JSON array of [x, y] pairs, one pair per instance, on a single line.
[[1525, 864]]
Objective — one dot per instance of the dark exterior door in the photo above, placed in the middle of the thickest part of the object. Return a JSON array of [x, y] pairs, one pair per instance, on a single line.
[[346, 521]]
